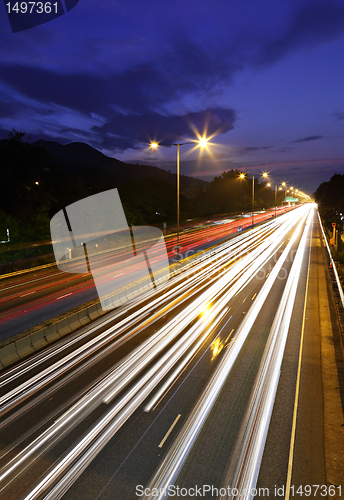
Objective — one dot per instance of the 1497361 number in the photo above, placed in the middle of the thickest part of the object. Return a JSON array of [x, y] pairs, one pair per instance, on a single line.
[[314, 489], [30, 7]]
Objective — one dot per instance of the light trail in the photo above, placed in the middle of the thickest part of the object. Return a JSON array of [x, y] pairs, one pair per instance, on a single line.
[[256, 423], [42, 441], [174, 460], [83, 351], [11, 317], [227, 252], [169, 382], [77, 459], [24, 390]]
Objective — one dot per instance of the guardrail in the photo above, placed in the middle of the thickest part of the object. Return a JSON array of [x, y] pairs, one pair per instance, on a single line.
[[340, 290]]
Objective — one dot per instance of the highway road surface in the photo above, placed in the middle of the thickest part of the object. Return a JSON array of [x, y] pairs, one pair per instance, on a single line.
[[28, 299], [175, 392]]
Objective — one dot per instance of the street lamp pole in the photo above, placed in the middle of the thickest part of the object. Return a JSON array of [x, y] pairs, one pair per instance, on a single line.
[[265, 174], [178, 188], [252, 198], [242, 176], [178, 145], [284, 184], [202, 142], [275, 200]]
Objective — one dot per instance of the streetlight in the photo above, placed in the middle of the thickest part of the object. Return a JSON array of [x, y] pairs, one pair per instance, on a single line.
[[242, 176], [203, 142], [269, 185], [263, 175], [284, 184]]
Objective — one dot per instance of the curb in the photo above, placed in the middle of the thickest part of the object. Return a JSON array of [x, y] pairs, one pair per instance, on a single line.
[[19, 348]]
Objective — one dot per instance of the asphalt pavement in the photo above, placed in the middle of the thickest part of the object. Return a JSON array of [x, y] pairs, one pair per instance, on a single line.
[[61, 423]]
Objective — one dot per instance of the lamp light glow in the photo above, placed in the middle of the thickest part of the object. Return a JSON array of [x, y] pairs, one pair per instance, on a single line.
[[203, 142]]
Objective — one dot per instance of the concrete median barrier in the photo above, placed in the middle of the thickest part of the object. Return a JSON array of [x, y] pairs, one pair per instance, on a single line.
[[93, 312], [74, 322], [16, 349], [83, 317], [24, 347], [9, 355], [38, 340], [63, 327], [51, 333]]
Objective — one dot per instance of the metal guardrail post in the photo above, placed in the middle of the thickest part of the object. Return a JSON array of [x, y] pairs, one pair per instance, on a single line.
[[333, 264]]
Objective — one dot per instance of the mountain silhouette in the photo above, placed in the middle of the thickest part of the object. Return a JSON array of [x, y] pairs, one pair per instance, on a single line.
[[80, 158]]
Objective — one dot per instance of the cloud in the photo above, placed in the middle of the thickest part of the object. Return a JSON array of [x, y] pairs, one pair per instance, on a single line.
[[339, 115], [139, 79], [310, 138], [133, 129], [250, 149], [284, 149], [128, 103], [296, 172], [86, 93], [9, 109], [311, 23]]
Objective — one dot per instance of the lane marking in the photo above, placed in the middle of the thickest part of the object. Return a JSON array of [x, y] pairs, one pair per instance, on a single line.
[[25, 294], [184, 369], [253, 296], [229, 335], [34, 280], [169, 431], [58, 298], [297, 389]]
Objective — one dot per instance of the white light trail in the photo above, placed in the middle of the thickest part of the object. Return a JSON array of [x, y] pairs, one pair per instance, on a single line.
[[256, 423], [172, 463], [61, 366], [253, 252]]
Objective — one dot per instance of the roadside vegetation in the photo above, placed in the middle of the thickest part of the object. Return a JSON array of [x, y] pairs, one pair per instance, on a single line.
[[36, 185], [330, 199]]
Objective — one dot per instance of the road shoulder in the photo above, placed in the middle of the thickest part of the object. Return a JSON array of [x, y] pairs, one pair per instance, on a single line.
[[332, 380]]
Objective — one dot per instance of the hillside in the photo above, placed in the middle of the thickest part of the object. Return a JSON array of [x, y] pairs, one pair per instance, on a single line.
[[39, 179], [79, 158]]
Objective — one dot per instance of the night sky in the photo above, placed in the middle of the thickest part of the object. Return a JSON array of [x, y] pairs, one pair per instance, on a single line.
[[266, 76]]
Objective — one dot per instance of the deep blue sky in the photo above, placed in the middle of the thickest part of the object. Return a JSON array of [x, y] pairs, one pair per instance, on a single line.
[[268, 75]]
